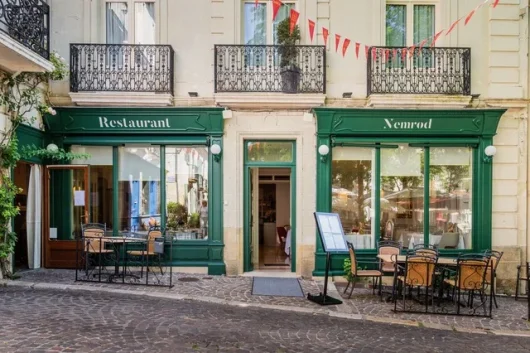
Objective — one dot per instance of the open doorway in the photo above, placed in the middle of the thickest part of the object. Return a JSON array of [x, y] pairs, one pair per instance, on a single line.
[[271, 218], [21, 175]]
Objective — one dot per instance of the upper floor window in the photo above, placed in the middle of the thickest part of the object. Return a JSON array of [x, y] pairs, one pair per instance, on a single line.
[[409, 23], [130, 21], [257, 26]]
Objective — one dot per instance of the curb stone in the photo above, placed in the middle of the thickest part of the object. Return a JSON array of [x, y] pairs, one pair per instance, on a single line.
[[175, 296]]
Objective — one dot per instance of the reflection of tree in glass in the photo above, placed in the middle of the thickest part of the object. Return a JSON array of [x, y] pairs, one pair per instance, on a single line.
[[270, 151], [396, 25], [257, 17], [354, 176]]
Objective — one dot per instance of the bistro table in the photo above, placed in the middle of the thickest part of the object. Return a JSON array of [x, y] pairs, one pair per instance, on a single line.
[[447, 261], [118, 243]]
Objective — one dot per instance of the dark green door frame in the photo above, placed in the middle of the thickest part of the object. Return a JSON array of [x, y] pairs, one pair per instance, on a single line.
[[247, 261], [429, 128]]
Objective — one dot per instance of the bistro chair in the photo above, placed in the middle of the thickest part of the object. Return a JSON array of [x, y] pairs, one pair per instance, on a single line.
[[425, 251], [150, 252], [417, 273], [356, 273], [94, 245], [495, 258], [470, 278], [388, 247], [525, 277]]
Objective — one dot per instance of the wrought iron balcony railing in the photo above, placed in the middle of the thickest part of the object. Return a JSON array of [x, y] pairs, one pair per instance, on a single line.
[[28, 22], [393, 70], [121, 67], [256, 68]]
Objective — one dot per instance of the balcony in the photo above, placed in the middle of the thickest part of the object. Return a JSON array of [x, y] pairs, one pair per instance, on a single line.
[[25, 36], [246, 75], [117, 74], [428, 71]]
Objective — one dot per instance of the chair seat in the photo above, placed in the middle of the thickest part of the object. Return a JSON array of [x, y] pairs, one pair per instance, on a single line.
[[369, 273], [140, 253], [102, 251]]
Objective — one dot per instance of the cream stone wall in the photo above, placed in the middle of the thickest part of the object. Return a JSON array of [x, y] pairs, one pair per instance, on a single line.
[[269, 125]]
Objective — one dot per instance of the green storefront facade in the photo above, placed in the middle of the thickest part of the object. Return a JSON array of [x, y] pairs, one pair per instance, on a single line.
[[144, 162], [414, 176]]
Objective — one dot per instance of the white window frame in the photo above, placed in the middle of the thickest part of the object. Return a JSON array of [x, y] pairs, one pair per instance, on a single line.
[[269, 22], [410, 17], [131, 18]]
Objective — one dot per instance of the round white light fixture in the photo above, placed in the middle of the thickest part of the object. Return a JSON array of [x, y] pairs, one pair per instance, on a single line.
[[490, 151], [215, 149], [323, 150], [52, 147]]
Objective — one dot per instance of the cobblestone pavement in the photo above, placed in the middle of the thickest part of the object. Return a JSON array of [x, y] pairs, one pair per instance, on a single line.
[[71, 321], [510, 317]]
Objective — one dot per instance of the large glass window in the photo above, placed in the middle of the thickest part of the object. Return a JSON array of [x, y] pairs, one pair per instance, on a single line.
[[409, 24], [187, 192], [352, 196], [403, 215], [270, 151], [130, 21], [257, 27], [139, 188], [100, 178]]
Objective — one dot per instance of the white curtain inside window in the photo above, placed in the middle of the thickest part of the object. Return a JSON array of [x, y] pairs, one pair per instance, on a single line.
[[352, 154], [34, 217], [144, 26], [423, 22], [451, 156], [117, 23]]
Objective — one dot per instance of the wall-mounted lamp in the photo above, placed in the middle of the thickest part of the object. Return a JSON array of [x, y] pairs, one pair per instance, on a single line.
[[347, 95], [193, 94], [216, 152], [489, 152], [52, 147], [323, 151]]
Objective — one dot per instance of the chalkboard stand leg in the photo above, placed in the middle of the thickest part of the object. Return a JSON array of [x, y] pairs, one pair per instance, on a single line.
[[324, 298]]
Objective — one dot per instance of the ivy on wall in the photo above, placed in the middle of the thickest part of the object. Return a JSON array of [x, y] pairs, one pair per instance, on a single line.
[[24, 97]]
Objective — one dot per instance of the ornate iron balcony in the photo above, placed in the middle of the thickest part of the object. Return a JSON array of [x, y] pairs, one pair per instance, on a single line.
[[256, 68], [28, 22], [121, 67], [394, 70]]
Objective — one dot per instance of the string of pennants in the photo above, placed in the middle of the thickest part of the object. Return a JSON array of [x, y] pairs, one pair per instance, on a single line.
[[294, 16]]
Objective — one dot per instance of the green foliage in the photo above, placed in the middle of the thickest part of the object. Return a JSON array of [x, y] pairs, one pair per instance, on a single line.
[[347, 269], [23, 97], [195, 221], [60, 155], [177, 215], [287, 42]]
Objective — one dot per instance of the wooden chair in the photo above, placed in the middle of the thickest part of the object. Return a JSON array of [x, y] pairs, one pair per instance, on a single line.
[[149, 251], [94, 245], [356, 273], [388, 247]]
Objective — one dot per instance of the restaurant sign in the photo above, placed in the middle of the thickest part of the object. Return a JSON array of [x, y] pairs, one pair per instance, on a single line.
[[105, 122], [407, 125]]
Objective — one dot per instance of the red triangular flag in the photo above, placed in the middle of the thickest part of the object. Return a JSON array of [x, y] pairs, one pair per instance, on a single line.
[[495, 3], [387, 54], [366, 50], [452, 27], [374, 53], [404, 54], [436, 36], [412, 48], [357, 46], [325, 34], [394, 54], [469, 16], [422, 44], [311, 29], [257, 3], [345, 46], [293, 20], [337, 41], [276, 4]]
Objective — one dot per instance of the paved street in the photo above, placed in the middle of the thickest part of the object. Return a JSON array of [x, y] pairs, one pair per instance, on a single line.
[[67, 321]]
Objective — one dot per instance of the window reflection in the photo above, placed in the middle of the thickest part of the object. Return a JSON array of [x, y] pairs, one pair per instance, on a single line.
[[352, 197], [187, 192], [450, 197], [139, 188]]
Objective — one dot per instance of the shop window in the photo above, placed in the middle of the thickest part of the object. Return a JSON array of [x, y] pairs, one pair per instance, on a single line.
[[139, 188], [100, 178], [352, 196], [275, 151], [187, 192]]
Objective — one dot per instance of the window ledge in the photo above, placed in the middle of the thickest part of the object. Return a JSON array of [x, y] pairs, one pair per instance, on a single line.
[[140, 99], [418, 101], [269, 100]]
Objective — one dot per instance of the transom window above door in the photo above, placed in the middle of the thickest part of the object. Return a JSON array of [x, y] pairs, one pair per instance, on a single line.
[[409, 22], [130, 22], [258, 27]]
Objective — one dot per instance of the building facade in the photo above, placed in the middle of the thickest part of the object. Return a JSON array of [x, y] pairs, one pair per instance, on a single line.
[[393, 135]]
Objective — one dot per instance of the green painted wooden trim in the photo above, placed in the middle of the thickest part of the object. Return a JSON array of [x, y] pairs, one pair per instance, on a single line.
[[115, 189], [293, 211], [426, 195], [247, 261], [390, 142], [169, 120], [27, 136], [215, 192], [377, 190], [163, 201], [121, 140]]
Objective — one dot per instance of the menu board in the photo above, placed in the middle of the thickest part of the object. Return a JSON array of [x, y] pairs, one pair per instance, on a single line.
[[331, 232]]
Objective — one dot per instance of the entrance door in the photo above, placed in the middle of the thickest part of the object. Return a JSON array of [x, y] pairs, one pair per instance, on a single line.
[[65, 209]]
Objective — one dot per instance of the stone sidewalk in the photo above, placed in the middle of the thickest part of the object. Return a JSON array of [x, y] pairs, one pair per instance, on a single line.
[[509, 319]]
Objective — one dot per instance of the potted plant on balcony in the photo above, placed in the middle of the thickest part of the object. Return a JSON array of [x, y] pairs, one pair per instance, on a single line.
[[289, 70]]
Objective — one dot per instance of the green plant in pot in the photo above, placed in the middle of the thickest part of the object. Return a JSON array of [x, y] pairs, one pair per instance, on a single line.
[[289, 70], [177, 215]]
